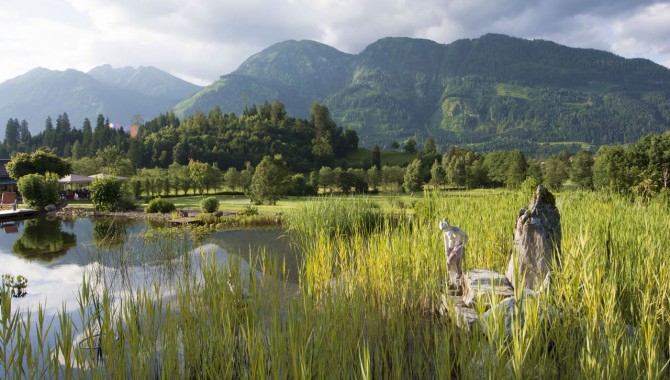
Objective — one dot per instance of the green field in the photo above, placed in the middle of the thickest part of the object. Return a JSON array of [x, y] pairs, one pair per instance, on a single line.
[[372, 275]]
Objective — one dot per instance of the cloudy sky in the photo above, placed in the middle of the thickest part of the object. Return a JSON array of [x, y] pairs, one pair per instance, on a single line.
[[199, 40]]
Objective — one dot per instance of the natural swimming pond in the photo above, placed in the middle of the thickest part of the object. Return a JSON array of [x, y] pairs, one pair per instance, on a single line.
[[56, 254]]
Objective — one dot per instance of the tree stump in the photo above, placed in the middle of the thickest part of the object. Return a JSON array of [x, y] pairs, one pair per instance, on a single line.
[[537, 240]]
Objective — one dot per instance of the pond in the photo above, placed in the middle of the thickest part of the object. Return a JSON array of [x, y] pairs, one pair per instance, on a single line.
[[56, 254]]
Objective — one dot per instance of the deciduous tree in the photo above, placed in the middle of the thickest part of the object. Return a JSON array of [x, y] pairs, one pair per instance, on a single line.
[[269, 180], [199, 172], [413, 179], [581, 169], [410, 145], [438, 176], [41, 161]]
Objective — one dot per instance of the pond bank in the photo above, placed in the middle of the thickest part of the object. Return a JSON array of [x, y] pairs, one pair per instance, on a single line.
[[222, 218], [87, 212]]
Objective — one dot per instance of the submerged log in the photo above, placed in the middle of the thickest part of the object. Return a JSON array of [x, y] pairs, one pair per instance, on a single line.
[[537, 240]]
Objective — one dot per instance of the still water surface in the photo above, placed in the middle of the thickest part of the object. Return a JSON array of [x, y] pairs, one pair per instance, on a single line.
[[56, 254]]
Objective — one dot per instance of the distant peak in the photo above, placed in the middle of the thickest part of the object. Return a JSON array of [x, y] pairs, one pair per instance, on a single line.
[[497, 36]]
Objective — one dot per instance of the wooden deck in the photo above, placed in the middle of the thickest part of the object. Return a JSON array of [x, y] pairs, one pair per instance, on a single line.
[[21, 213]]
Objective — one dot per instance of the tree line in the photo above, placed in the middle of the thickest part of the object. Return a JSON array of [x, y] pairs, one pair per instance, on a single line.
[[267, 154], [228, 140]]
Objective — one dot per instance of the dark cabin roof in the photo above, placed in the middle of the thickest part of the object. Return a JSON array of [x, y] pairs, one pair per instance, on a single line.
[[4, 177], [3, 171]]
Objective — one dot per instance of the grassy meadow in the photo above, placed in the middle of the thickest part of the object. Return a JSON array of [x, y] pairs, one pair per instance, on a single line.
[[371, 280]]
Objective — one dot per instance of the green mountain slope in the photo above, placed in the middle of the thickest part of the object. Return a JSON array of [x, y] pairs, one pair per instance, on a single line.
[[298, 73], [492, 92]]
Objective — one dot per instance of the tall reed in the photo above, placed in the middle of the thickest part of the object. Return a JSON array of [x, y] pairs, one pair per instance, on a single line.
[[369, 288]]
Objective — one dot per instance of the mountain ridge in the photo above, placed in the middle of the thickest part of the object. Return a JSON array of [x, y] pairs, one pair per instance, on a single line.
[[490, 91], [119, 94]]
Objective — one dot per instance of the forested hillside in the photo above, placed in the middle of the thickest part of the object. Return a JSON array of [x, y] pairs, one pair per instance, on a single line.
[[490, 93], [494, 92], [227, 140]]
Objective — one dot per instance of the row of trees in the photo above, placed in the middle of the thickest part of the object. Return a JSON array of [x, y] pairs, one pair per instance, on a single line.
[[225, 139], [63, 138], [641, 169], [311, 162]]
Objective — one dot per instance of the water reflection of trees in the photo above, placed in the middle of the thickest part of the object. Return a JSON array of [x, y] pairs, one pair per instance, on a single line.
[[108, 233], [43, 240]]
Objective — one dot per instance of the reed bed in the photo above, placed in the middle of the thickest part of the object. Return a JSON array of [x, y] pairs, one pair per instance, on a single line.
[[370, 282]]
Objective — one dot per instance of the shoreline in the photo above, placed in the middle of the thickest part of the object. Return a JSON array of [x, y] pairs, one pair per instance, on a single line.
[[138, 213], [227, 218]]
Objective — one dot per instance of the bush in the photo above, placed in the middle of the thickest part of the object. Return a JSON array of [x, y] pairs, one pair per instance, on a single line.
[[209, 204], [38, 190], [159, 205], [248, 210], [107, 194]]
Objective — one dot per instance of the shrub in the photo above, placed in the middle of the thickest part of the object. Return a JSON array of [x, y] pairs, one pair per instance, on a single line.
[[106, 194], [39, 190], [209, 204], [159, 205], [248, 210]]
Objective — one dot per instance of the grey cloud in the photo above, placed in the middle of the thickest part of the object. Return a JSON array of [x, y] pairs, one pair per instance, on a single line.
[[207, 38]]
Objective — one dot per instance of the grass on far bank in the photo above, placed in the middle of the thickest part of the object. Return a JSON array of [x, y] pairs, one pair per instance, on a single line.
[[238, 202]]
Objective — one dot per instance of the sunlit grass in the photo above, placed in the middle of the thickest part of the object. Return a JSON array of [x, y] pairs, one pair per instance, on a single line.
[[370, 281]]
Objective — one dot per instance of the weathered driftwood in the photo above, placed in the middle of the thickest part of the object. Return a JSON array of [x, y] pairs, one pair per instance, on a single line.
[[537, 240], [484, 285]]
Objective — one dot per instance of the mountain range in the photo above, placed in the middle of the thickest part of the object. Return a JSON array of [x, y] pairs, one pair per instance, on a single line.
[[118, 93], [492, 92]]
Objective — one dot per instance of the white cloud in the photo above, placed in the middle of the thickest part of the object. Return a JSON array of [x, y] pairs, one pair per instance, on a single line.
[[201, 40], [27, 42], [644, 34]]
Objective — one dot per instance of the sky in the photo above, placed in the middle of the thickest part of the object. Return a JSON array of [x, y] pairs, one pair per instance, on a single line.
[[200, 40]]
